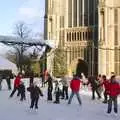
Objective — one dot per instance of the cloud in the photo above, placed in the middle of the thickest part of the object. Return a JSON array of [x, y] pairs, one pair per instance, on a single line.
[[32, 9], [32, 12], [29, 12]]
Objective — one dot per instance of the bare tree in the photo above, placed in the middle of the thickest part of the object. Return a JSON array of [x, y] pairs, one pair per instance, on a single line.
[[22, 31], [18, 54]]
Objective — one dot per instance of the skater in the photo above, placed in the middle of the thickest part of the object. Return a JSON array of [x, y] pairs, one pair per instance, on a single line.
[[31, 79], [8, 82], [113, 91], [65, 88], [50, 87], [22, 91], [106, 86], [42, 79], [35, 92], [100, 81], [16, 85], [57, 93], [75, 87], [94, 86]]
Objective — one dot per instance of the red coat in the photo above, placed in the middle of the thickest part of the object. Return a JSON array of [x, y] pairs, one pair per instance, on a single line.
[[114, 89], [106, 85], [75, 85], [17, 81]]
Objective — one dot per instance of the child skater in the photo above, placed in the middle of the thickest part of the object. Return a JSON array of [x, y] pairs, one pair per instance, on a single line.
[[35, 92], [57, 93]]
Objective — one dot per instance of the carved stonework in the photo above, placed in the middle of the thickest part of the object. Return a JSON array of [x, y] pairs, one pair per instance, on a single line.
[[101, 3], [76, 31]]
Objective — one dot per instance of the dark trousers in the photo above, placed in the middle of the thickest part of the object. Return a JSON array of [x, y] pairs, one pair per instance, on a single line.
[[114, 100], [105, 96], [8, 83], [34, 102], [65, 92], [57, 97], [19, 91], [22, 96], [49, 94], [93, 93], [14, 90], [43, 82]]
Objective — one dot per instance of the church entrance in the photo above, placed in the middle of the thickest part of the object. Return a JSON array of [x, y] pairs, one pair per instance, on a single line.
[[82, 67]]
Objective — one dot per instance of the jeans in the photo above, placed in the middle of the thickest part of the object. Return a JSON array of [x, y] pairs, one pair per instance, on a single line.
[[78, 97], [114, 100]]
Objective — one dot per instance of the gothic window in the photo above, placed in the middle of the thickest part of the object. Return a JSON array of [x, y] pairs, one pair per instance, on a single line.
[[78, 36], [72, 36], [75, 13], [83, 36], [80, 12], [116, 35], [75, 36], [86, 36], [67, 36], [78, 51], [86, 12], [116, 16], [69, 13]]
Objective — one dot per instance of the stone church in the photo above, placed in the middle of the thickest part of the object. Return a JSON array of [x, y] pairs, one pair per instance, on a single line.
[[88, 32]]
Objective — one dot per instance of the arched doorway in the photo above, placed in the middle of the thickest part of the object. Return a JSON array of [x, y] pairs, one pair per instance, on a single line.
[[82, 67]]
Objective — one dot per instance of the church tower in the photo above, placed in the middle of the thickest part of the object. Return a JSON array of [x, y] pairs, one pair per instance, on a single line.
[[109, 39]]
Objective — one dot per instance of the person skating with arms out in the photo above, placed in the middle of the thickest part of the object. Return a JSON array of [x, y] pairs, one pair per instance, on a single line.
[[35, 92], [75, 87]]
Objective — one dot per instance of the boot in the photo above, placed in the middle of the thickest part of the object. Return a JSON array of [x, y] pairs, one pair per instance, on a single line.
[[105, 101], [56, 102]]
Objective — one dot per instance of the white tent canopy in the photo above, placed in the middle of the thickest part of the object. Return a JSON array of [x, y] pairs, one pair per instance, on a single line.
[[7, 65]]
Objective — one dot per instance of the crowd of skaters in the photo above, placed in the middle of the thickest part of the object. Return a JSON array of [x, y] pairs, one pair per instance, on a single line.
[[110, 89]]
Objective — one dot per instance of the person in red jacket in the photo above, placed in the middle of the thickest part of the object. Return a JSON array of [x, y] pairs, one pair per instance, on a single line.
[[17, 82], [75, 87], [105, 84], [113, 91]]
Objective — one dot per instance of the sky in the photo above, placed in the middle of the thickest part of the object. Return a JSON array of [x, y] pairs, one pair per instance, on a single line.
[[29, 11]]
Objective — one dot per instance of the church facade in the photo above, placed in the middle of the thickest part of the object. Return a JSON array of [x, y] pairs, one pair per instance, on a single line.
[[109, 39], [81, 29]]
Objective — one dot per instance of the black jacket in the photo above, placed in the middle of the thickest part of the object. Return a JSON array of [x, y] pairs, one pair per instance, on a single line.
[[94, 82], [21, 88], [35, 92], [50, 83]]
